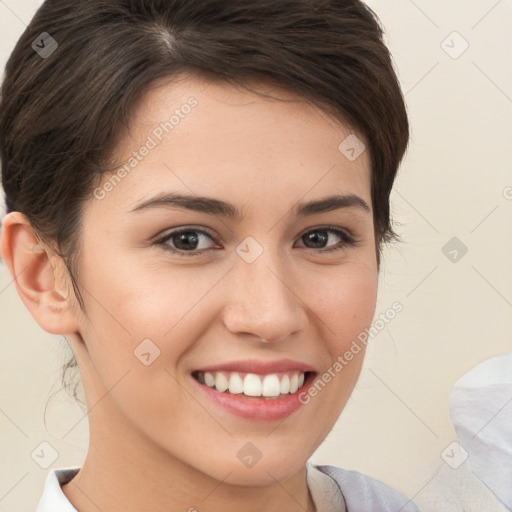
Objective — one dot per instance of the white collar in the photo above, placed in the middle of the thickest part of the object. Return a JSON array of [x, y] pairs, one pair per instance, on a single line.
[[53, 498]]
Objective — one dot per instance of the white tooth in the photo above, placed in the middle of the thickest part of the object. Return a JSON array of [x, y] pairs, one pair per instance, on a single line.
[[235, 384], [252, 385], [294, 383], [221, 382], [209, 379], [301, 379], [271, 386], [285, 384]]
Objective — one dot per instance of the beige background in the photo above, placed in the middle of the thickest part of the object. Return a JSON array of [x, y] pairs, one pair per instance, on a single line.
[[455, 315]]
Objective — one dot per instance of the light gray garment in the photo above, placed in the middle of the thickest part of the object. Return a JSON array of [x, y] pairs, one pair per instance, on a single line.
[[358, 492], [481, 412]]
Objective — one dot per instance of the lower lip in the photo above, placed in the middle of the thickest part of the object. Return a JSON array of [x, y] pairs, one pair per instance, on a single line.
[[257, 408]]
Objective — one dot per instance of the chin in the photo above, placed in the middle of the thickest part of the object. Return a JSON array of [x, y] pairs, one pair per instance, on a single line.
[[262, 474], [265, 471]]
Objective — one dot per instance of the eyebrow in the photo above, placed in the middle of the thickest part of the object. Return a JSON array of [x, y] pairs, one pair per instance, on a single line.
[[217, 207]]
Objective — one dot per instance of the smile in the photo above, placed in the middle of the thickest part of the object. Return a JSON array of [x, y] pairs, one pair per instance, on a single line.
[[255, 389]]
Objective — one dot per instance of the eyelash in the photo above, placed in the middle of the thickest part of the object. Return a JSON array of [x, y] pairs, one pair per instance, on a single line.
[[346, 241]]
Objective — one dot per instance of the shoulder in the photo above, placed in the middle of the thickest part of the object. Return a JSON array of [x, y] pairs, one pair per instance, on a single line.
[[363, 492]]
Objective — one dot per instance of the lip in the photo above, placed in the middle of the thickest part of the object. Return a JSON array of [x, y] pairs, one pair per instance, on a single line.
[[257, 408], [259, 367]]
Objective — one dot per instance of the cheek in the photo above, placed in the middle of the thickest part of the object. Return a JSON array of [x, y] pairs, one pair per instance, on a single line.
[[148, 312], [139, 299], [345, 304], [345, 300]]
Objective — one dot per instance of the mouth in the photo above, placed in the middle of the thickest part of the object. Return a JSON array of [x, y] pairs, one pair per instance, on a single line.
[[270, 386], [255, 389]]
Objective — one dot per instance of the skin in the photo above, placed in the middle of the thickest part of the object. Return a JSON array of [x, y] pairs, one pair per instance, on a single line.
[[149, 424]]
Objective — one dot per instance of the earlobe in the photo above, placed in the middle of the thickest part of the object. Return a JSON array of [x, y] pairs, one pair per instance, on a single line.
[[38, 274]]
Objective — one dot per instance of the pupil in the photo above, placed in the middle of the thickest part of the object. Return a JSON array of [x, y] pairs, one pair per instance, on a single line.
[[313, 237], [182, 237]]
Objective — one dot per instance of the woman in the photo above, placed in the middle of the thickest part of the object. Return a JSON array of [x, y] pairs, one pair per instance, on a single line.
[[198, 194]]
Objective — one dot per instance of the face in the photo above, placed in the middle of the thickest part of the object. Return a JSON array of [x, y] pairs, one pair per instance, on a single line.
[[263, 285]]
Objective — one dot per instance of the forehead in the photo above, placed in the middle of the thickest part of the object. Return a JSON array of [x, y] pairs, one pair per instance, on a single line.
[[210, 137]]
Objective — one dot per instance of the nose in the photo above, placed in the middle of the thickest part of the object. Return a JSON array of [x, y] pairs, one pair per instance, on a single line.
[[263, 300]]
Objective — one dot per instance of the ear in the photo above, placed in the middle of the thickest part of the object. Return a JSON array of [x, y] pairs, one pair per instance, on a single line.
[[40, 276]]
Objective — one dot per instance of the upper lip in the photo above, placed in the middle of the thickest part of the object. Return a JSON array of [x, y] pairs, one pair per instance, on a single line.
[[259, 366]]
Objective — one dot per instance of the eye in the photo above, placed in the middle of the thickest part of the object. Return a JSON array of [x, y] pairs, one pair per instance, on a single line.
[[185, 241], [191, 241], [321, 235]]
